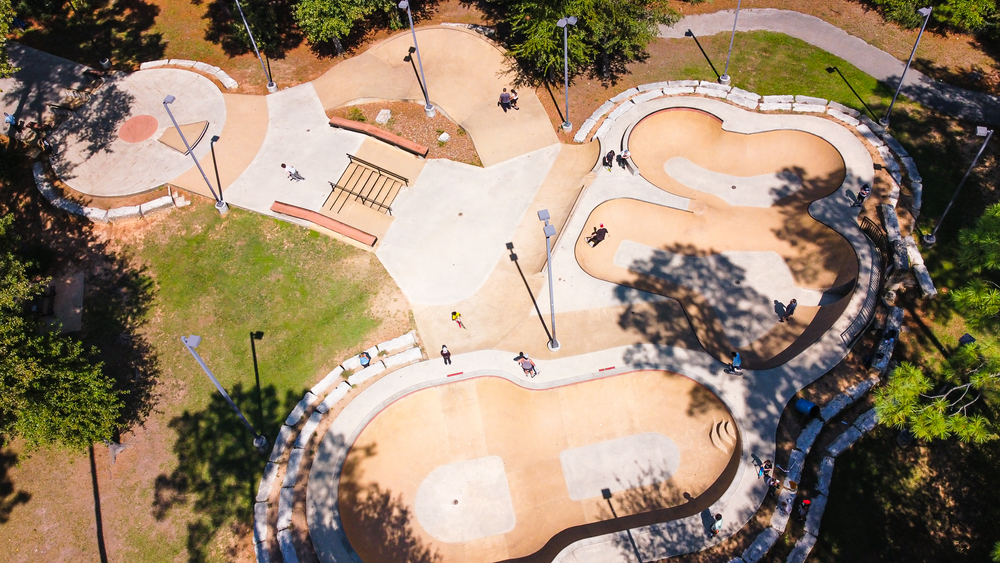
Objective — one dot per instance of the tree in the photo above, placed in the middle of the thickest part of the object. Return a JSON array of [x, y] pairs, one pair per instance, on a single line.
[[608, 35], [968, 390], [333, 20], [979, 253], [51, 391], [6, 19]]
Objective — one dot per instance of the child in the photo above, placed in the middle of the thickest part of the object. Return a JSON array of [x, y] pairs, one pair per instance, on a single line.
[[513, 99], [457, 317]]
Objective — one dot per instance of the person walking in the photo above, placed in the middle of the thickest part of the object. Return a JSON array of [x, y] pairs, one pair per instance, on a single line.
[[789, 311], [293, 174], [717, 525], [862, 194], [446, 354], [457, 317], [597, 236], [609, 160], [526, 364], [504, 101], [513, 99], [623, 158]]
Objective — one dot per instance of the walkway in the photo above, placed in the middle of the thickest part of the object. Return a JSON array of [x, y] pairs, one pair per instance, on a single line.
[[973, 106]]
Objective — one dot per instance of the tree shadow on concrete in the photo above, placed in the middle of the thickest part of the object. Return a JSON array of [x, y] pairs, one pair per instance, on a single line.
[[218, 467], [118, 295], [380, 523], [118, 30], [10, 497]]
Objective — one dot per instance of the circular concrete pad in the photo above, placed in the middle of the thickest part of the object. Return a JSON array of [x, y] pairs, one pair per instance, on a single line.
[[138, 128], [466, 501]]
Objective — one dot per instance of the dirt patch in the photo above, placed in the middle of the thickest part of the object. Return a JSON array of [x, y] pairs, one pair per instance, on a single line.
[[409, 121]]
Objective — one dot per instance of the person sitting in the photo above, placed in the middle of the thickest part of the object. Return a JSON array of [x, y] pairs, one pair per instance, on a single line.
[[736, 364], [365, 359], [597, 236]]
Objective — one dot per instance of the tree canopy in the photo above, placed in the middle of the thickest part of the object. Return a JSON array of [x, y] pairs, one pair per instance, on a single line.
[[51, 391], [979, 253], [608, 34], [326, 20], [6, 20], [960, 402]]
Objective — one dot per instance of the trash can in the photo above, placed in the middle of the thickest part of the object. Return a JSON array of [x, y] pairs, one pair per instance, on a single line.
[[106, 63], [807, 408]]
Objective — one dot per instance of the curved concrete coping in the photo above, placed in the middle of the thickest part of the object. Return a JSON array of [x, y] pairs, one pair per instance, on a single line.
[[738, 501]]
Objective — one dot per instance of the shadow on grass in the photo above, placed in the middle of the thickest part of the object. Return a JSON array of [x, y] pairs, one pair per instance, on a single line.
[[218, 467], [10, 497], [272, 23], [119, 30], [931, 502]]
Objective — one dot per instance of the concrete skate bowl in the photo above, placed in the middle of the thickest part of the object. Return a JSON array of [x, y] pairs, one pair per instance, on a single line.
[[746, 244], [483, 470]]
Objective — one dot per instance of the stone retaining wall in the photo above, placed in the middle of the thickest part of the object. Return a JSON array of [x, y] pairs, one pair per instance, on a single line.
[[397, 352], [215, 71]]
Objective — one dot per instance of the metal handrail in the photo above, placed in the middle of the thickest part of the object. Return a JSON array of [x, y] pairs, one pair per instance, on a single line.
[[336, 187], [376, 167]]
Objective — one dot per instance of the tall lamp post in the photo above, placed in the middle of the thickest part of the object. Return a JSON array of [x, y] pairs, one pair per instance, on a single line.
[[550, 231], [564, 23], [428, 108], [220, 205], [725, 79], [926, 12], [192, 342], [271, 86], [982, 132]]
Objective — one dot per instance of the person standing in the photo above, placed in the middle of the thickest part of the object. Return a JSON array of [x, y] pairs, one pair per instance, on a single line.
[[513, 99], [446, 354], [457, 317], [504, 100], [717, 525], [804, 509], [623, 158], [609, 160], [789, 310], [526, 364], [293, 174], [862, 194]]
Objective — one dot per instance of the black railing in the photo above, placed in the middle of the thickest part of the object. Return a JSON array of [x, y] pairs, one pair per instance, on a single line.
[[876, 280], [387, 208], [379, 168]]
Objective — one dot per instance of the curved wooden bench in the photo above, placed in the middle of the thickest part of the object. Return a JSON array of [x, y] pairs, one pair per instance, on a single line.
[[325, 222], [382, 135]]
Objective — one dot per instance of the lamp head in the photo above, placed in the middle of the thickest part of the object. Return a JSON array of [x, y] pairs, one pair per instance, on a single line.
[[982, 131], [925, 11], [689, 33], [550, 230], [215, 138], [831, 69], [192, 341], [169, 99], [543, 215], [404, 5], [258, 335], [561, 22], [510, 246], [572, 20]]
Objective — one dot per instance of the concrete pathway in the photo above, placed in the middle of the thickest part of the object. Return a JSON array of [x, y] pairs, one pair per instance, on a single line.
[[952, 100]]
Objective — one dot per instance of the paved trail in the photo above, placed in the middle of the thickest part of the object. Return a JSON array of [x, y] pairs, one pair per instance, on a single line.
[[973, 106]]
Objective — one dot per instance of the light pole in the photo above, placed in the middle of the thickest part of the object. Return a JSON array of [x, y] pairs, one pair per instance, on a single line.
[[256, 374], [220, 205], [428, 108], [725, 79], [982, 132], [550, 231], [271, 86], [192, 342], [564, 23], [926, 12], [215, 164]]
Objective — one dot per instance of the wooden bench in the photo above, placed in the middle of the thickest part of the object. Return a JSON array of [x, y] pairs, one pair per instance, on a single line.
[[394, 140], [325, 222]]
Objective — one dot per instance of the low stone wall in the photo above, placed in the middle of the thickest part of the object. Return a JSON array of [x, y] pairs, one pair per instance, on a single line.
[[215, 71], [294, 443], [786, 499]]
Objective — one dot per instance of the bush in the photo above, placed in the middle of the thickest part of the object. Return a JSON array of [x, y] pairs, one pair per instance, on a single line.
[[355, 114]]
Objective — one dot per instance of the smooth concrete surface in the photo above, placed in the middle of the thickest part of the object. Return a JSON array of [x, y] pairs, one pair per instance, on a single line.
[[298, 134], [94, 160], [40, 80], [450, 227], [762, 190], [465, 501], [617, 465]]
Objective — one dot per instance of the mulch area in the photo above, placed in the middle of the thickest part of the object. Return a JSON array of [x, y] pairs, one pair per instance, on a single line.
[[409, 121]]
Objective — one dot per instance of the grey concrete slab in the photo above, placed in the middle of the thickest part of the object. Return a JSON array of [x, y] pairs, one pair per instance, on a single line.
[[93, 159], [299, 134], [450, 227], [844, 441], [287, 546], [779, 518], [260, 522], [802, 549], [638, 460], [292, 468], [825, 475], [751, 191], [465, 501], [809, 434], [815, 516], [266, 482], [760, 546]]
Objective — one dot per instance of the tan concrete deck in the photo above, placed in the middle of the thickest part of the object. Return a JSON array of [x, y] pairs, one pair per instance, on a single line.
[[528, 429]]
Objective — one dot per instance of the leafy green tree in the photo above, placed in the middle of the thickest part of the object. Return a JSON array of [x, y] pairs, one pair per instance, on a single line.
[[6, 19], [962, 15], [608, 35], [995, 554], [333, 20], [979, 253], [51, 392], [967, 390]]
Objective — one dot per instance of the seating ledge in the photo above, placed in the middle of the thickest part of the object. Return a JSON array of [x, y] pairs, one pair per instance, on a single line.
[[325, 222], [380, 134]]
